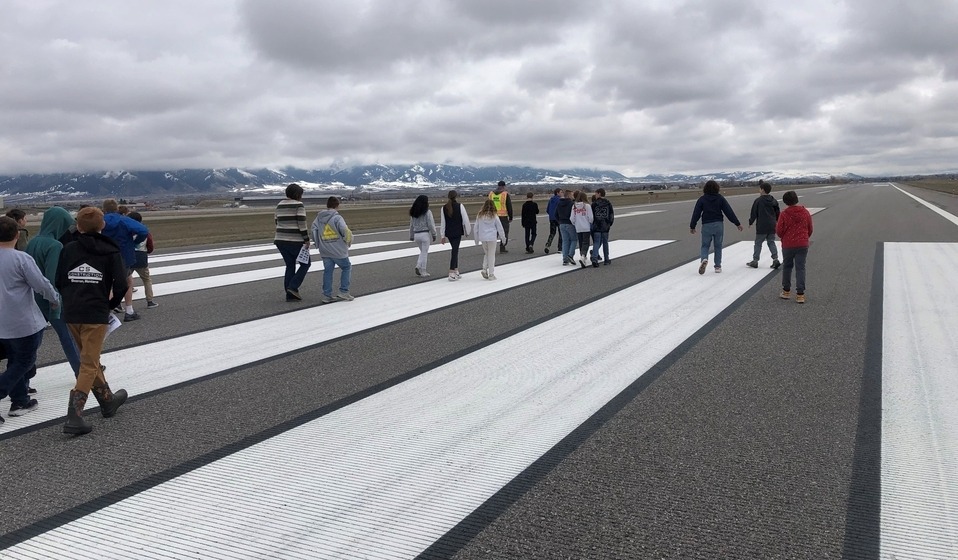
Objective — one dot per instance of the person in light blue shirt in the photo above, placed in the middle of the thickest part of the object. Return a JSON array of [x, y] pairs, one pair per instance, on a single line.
[[21, 330]]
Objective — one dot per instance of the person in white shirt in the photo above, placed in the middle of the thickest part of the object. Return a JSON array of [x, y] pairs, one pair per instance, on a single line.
[[582, 220], [488, 229]]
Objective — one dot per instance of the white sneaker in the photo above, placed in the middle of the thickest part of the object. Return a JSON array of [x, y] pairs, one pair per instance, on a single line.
[[423, 273], [484, 274], [344, 296], [453, 277], [492, 277]]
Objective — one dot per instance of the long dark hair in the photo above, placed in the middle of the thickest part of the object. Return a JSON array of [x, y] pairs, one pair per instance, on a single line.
[[449, 204], [419, 206]]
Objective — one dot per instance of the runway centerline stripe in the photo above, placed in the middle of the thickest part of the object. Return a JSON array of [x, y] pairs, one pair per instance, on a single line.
[[919, 426], [236, 261], [186, 358], [388, 475], [946, 215]]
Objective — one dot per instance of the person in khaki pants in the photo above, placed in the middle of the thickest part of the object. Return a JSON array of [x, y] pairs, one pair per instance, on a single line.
[[89, 269]]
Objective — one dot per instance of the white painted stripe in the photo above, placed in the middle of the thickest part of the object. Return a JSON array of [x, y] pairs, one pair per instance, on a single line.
[[638, 213], [271, 256], [258, 248], [157, 365], [210, 253], [387, 476], [233, 278], [946, 215], [919, 427]]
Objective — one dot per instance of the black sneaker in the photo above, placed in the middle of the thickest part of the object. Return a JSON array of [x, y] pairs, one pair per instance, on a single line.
[[118, 309], [776, 264], [21, 409], [31, 391], [607, 262], [130, 316], [752, 264], [152, 305], [546, 249], [595, 264]]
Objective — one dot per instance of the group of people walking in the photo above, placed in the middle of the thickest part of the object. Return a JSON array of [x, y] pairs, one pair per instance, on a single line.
[[77, 270], [490, 229], [793, 226], [71, 275]]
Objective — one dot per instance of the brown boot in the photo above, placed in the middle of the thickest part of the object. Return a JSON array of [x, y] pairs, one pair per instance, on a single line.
[[107, 399], [75, 422]]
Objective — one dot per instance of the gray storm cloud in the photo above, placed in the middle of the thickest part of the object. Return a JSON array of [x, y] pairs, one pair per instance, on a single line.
[[639, 87]]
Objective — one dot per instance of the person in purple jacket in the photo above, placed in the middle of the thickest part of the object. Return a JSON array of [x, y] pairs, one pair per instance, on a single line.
[[127, 233], [710, 207]]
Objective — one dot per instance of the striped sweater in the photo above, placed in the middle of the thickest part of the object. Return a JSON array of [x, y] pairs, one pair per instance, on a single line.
[[291, 222]]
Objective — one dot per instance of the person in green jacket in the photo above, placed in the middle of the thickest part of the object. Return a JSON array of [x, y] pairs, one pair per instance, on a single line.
[[45, 250]]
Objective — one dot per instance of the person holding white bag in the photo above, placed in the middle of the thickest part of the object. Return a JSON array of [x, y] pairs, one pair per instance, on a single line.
[[488, 229], [291, 238]]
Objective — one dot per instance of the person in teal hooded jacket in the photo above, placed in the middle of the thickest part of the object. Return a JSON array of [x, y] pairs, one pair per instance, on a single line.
[[45, 250]]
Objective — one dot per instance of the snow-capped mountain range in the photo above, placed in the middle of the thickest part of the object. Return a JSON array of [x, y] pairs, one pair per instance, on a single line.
[[347, 180]]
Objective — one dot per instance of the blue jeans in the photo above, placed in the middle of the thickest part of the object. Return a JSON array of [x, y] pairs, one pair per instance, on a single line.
[[768, 238], [67, 343], [293, 278], [328, 264], [600, 238], [569, 240], [712, 234], [21, 357]]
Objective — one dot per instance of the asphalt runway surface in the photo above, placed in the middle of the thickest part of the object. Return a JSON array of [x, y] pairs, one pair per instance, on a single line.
[[757, 437]]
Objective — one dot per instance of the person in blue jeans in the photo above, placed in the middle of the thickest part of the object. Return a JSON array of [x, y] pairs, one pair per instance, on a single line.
[[291, 237], [602, 218], [710, 207], [21, 330], [567, 234], [45, 249], [333, 238]]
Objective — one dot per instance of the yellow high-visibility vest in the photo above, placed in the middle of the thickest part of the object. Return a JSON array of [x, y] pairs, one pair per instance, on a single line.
[[499, 199]]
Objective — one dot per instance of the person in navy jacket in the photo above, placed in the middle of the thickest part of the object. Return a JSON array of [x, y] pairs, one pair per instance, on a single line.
[[127, 233], [710, 207]]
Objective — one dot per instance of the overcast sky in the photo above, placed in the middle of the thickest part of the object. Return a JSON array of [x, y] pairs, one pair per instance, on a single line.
[[636, 86]]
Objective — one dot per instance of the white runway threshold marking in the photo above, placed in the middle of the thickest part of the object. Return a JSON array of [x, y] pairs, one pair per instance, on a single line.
[[197, 355], [919, 450], [387, 476], [233, 278], [236, 261]]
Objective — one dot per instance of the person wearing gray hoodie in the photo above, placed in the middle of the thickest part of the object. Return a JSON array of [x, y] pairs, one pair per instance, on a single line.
[[333, 238]]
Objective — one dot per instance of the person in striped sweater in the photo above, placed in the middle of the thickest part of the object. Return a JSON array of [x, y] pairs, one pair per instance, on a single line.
[[291, 238]]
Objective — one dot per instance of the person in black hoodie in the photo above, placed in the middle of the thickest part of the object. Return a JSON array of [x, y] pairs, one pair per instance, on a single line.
[[89, 269], [602, 218], [567, 232], [764, 211], [710, 207]]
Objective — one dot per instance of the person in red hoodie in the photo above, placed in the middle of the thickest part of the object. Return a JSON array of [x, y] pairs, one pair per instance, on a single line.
[[794, 228]]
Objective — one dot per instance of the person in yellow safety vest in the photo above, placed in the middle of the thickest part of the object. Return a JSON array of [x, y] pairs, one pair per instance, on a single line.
[[500, 197]]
